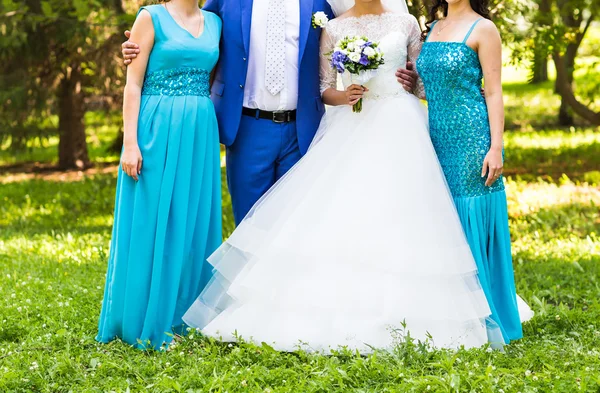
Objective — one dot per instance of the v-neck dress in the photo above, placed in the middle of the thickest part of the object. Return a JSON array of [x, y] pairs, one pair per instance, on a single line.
[[169, 222]]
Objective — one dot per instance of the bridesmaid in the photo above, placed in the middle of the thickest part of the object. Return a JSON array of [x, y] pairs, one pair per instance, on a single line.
[[459, 52], [168, 199]]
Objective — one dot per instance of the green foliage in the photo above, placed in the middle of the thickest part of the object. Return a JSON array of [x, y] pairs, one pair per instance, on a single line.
[[49, 45]]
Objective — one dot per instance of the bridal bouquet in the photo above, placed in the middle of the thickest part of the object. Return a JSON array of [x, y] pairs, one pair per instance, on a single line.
[[359, 56]]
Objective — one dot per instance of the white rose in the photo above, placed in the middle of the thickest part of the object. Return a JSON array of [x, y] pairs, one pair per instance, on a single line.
[[370, 52], [355, 57], [320, 19], [350, 47], [360, 42]]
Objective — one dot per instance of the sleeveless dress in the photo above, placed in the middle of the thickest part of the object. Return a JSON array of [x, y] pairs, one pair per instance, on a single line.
[[360, 242], [460, 132], [168, 222]]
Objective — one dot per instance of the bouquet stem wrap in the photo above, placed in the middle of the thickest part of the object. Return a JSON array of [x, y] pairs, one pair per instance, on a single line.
[[360, 79]]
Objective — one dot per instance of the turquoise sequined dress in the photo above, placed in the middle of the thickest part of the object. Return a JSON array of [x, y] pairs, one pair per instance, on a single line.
[[168, 222], [460, 132]]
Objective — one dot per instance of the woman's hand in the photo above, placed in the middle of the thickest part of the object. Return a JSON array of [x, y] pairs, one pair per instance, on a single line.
[[492, 165], [354, 93], [407, 77], [131, 161]]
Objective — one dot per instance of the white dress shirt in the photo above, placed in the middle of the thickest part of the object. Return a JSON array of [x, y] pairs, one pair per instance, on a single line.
[[256, 95]]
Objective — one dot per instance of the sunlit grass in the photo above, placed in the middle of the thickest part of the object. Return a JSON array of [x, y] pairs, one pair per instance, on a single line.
[[528, 198], [553, 139], [555, 221]]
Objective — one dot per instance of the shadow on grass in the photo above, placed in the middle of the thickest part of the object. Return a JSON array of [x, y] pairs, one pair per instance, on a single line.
[[580, 163]]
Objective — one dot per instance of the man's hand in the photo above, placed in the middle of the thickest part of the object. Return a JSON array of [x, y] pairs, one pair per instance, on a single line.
[[129, 50], [407, 77]]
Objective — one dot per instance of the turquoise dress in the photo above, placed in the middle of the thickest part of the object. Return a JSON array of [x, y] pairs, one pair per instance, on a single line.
[[460, 132], [169, 222]]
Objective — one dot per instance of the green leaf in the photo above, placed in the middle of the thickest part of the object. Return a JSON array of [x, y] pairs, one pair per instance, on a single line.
[[47, 8]]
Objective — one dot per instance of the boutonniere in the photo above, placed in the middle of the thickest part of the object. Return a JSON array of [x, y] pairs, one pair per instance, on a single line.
[[319, 19]]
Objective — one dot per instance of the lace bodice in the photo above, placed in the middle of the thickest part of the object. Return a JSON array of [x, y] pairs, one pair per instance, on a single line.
[[399, 37]]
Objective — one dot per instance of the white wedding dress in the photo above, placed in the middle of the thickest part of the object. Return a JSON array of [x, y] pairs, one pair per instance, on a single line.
[[359, 237]]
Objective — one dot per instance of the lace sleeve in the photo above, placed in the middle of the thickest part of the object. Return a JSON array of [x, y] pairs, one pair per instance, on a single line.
[[327, 73], [414, 49]]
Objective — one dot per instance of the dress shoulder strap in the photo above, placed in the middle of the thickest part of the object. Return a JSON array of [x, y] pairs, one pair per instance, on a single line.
[[214, 20], [155, 13], [430, 30], [471, 29]]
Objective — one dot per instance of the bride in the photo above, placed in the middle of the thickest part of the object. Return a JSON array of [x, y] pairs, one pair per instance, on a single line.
[[360, 242]]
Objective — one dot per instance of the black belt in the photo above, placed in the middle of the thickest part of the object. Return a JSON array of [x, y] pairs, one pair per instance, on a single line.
[[276, 117]]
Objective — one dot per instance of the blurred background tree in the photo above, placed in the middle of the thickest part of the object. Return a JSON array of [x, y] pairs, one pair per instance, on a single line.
[[556, 29], [57, 60]]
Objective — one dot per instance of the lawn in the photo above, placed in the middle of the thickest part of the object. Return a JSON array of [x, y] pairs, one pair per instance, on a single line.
[[54, 236]]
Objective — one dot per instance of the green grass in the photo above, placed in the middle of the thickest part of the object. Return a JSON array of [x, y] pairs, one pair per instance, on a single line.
[[53, 251], [54, 238]]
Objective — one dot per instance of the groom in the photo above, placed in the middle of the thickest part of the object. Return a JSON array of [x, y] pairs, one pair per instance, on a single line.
[[266, 90]]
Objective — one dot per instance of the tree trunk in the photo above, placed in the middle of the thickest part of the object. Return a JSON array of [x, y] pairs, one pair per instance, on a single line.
[[72, 145], [566, 66], [566, 91], [539, 68], [565, 117]]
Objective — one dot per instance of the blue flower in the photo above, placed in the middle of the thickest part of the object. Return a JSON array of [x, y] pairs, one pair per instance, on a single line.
[[364, 60], [339, 60]]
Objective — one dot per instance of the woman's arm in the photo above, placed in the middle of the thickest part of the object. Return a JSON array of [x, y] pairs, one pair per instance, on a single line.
[[414, 50], [489, 48], [143, 34], [329, 92]]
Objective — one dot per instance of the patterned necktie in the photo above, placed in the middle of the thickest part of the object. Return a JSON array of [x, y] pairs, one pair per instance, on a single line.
[[275, 65]]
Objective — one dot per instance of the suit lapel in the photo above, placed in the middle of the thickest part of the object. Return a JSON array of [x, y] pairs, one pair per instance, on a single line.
[[246, 8], [306, 7]]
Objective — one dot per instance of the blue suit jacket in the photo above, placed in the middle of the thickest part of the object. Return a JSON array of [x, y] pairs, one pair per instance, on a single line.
[[228, 87]]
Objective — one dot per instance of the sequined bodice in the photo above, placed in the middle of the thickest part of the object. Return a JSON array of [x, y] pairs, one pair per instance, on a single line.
[[458, 118], [180, 64], [398, 36]]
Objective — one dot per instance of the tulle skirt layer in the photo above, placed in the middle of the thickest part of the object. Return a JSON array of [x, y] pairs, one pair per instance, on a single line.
[[358, 240]]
